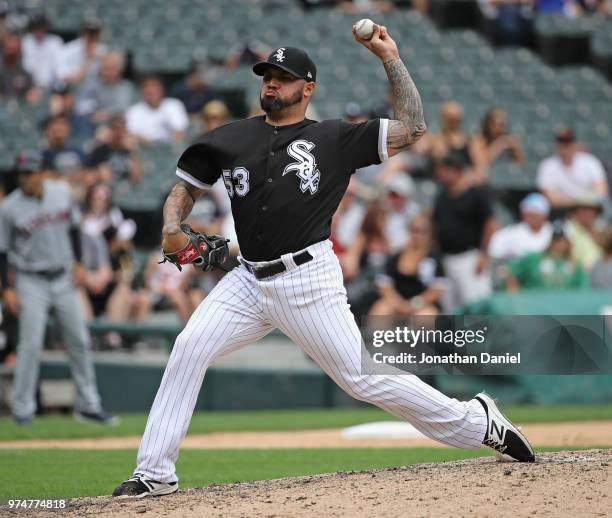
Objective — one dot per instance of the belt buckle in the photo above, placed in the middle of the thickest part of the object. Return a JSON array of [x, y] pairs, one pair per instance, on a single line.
[[264, 272]]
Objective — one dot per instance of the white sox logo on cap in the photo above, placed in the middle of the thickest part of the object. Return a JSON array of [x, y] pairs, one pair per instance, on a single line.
[[280, 55]]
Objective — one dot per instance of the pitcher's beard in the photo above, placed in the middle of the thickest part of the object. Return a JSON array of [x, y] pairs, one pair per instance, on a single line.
[[276, 104]]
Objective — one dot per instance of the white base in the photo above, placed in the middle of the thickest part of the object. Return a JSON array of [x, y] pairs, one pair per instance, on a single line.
[[382, 430]]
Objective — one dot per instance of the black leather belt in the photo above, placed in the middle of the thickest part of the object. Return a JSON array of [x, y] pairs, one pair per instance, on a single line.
[[47, 274], [263, 272]]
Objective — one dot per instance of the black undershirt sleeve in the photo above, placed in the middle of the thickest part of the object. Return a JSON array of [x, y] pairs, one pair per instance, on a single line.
[[4, 270], [75, 241]]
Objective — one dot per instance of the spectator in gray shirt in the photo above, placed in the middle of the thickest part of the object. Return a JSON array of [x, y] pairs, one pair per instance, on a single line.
[[110, 93], [601, 274]]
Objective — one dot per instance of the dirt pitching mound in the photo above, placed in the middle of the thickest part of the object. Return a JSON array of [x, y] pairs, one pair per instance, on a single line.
[[558, 484]]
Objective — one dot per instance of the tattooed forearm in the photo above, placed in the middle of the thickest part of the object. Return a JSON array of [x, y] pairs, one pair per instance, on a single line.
[[178, 205], [409, 123]]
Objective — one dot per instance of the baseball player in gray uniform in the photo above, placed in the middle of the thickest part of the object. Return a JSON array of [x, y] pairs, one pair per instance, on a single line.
[[40, 238]]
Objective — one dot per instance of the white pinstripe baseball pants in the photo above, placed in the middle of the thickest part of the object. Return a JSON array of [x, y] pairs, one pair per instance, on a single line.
[[308, 304]]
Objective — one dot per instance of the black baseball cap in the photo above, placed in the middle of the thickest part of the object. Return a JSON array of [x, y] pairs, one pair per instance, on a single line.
[[38, 20], [29, 161], [565, 136], [289, 59]]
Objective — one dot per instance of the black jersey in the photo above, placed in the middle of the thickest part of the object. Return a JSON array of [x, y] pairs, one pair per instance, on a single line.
[[285, 182]]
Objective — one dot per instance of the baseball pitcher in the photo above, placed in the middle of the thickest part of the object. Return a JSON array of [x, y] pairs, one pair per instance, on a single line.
[[285, 176]]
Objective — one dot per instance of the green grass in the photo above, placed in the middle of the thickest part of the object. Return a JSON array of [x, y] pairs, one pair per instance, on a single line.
[[72, 473], [59, 427]]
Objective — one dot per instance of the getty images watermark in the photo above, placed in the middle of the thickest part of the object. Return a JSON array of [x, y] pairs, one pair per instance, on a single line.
[[487, 345], [415, 338]]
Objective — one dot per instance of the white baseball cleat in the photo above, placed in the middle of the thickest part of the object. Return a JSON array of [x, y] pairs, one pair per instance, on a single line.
[[139, 486], [502, 435]]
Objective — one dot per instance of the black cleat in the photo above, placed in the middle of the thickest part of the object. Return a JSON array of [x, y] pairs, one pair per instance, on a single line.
[[502, 435], [139, 486], [97, 418]]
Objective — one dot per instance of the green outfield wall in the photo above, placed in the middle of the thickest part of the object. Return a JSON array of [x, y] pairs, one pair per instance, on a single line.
[[132, 388]]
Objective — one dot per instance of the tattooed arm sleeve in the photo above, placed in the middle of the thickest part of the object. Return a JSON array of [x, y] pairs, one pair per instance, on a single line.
[[409, 123], [179, 203]]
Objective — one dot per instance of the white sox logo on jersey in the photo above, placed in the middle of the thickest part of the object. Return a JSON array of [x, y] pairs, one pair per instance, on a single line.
[[306, 167], [280, 55]]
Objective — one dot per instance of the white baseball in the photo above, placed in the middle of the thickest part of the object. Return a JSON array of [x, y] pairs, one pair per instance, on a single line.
[[364, 28]]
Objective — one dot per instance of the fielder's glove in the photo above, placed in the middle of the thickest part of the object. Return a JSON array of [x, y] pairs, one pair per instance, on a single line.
[[206, 252]]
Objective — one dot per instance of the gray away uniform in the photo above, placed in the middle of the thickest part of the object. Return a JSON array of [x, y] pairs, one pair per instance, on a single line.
[[36, 235]]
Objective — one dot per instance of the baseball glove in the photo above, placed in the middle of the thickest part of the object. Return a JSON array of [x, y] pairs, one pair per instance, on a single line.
[[206, 252]]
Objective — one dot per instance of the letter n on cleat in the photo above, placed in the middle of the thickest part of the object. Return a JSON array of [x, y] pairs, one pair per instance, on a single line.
[[498, 431]]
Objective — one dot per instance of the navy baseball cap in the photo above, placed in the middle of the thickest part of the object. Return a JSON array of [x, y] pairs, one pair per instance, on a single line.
[[289, 59], [558, 229], [29, 161]]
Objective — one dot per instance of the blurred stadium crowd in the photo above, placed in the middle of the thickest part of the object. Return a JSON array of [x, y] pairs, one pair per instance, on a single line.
[[508, 191]]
